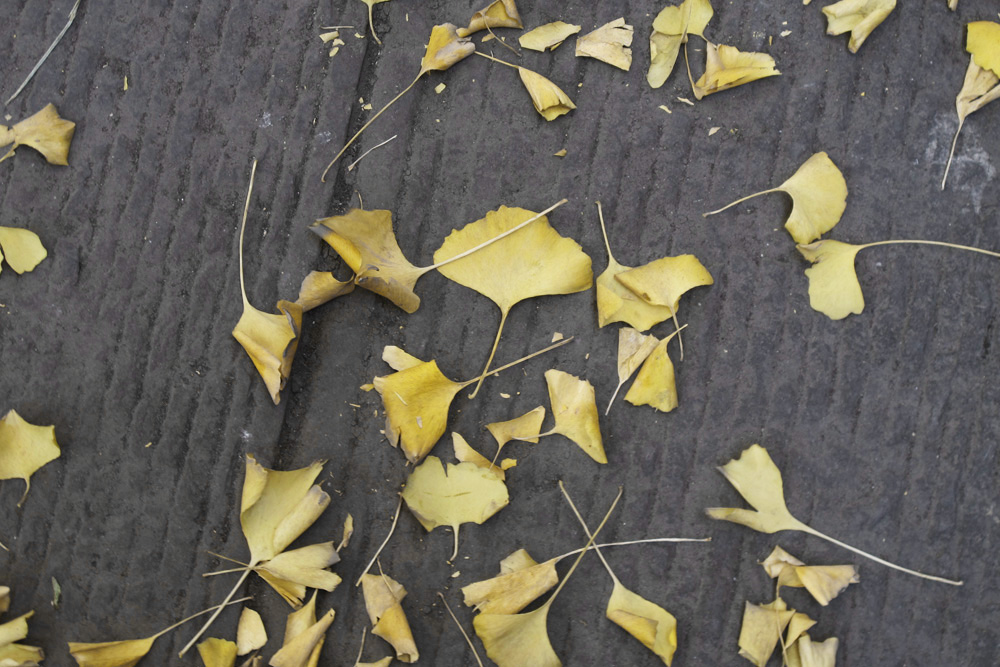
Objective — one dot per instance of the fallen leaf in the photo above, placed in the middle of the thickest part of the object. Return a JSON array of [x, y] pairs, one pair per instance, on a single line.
[[609, 43], [498, 14], [727, 67], [670, 29], [269, 339], [464, 453], [655, 384], [534, 261], [859, 17], [755, 476], [24, 448], [824, 582], [952, 5], [440, 88], [45, 131], [834, 289], [633, 348], [250, 633], [560, 153], [797, 627], [817, 654], [216, 652], [465, 493], [548, 36], [383, 596], [371, 21], [11, 653], [22, 249], [521, 581], [527, 427], [348, 532], [548, 99], [819, 197], [762, 628], [574, 408], [319, 287], [304, 637]]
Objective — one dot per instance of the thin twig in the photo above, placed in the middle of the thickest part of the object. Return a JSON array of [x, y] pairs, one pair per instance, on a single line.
[[72, 17], [350, 167]]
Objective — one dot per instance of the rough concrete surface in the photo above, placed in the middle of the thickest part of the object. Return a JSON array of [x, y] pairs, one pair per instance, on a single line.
[[885, 424]]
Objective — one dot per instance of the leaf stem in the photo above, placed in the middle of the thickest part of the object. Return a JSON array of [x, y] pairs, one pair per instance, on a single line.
[[813, 531], [943, 244], [583, 523], [496, 60], [454, 553], [395, 517], [648, 540], [48, 51], [740, 200], [493, 351], [218, 572], [364, 633], [218, 610], [351, 166], [371, 22], [518, 361], [243, 228], [954, 142], [461, 629], [604, 231], [370, 121], [194, 616]]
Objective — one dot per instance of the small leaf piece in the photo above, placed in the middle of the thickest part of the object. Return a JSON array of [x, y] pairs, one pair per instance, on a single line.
[[548, 36], [610, 43], [22, 249], [250, 633], [521, 581], [24, 448], [633, 348], [727, 67], [817, 654], [383, 596], [651, 624], [300, 649], [527, 428], [984, 44], [465, 493], [834, 289], [498, 14], [762, 628], [655, 384], [445, 48], [664, 281], [45, 131], [296, 625], [548, 99], [859, 17], [517, 640], [574, 408], [758, 480], [216, 652], [319, 287], [670, 29], [416, 402]]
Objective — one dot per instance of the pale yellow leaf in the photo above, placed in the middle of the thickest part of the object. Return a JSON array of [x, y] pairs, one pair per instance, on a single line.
[[548, 36], [574, 408], [610, 43], [24, 448]]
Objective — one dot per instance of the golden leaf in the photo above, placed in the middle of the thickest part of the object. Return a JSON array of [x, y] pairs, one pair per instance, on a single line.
[[445, 48], [521, 581], [45, 131], [655, 384], [984, 44], [384, 662], [217, 652], [575, 411], [348, 532], [527, 427], [670, 29], [319, 287], [301, 649], [465, 493], [548, 99], [297, 624], [548, 36], [824, 582], [781, 565], [250, 633], [300, 568], [111, 654], [534, 261], [664, 281], [498, 14], [383, 596], [416, 402], [609, 43], [817, 654], [633, 348], [466, 454], [727, 67], [15, 629], [24, 448], [834, 289], [22, 249], [762, 629], [797, 627], [859, 17], [398, 358]]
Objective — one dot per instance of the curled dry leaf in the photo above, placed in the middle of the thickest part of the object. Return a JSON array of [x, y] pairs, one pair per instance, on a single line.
[[527, 427], [465, 493], [859, 17], [466, 454], [319, 287], [548, 36], [21, 248], [383, 597], [655, 384], [216, 652], [574, 408], [727, 67], [13, 654], [819, 197], [498, 14], [762, 628], [548, 99], [824, 582], [755, 476], [521, 581], [633, 348], [610, 43], [670, 29], [304, 637], [250, 633], [45, 131], [24, 448]]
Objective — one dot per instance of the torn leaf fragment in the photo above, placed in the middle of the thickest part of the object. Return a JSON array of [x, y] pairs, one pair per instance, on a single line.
[[250, 632], [21, 248], [548, 99], [610, 43], [727, 67], [548, 36], [217, 652], [762, 628], [498, 14], [383, 597], [24, 448], [45, 131], [859, 17], [671, 28], [655, 385]]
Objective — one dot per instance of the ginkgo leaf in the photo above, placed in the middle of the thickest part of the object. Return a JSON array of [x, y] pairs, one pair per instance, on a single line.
[[609, 43], [781, 565], [24, 448], [383, 597], [22, 249], [216, 652], [755, 476], [664, 281], [727, 67], [817, 654], [371, 20], [982, 78], [269, 339], [670, 29], [291, 572], [465, 493], [527, 427], [21, 655], [797, 627], [319, 287], [819, 197], [762, 628], [633, 348], [534, 261], [45, 131], [250, 632], [15, 629], [466, 454], [299, 649], [859, 17], [296, 625], [834, 289], [655, 384], [548, 99], [521, 581], [548, 36], [398, 358], [824, 582], [348, 532], [574, 408], [617, 303], [498, 14]]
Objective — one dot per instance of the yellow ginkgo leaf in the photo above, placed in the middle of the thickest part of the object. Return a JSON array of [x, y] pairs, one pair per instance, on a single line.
[[22, 249], [762, 628], [466, 454], [465, 493], [574, 408], [216, 652], [670, 29], [111, 654], [300, 649], [498, 14], [445, 47], [319, 287], [633, 348], [291, 572], [21, 655], [371, 21], [24, 448], [610, 43], [664, 281], [4, 598], [521, 581], [45, 131], [548, 99], [819, 197], [383, 597], [824, 582], [297, 623], [250, 633], [534, 261], [781, 565], [655, 384], [755, 476], [817, 654], [15, 629], [834, 289], [727, 67], [859, 17], [527, 427], [548, 36]]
